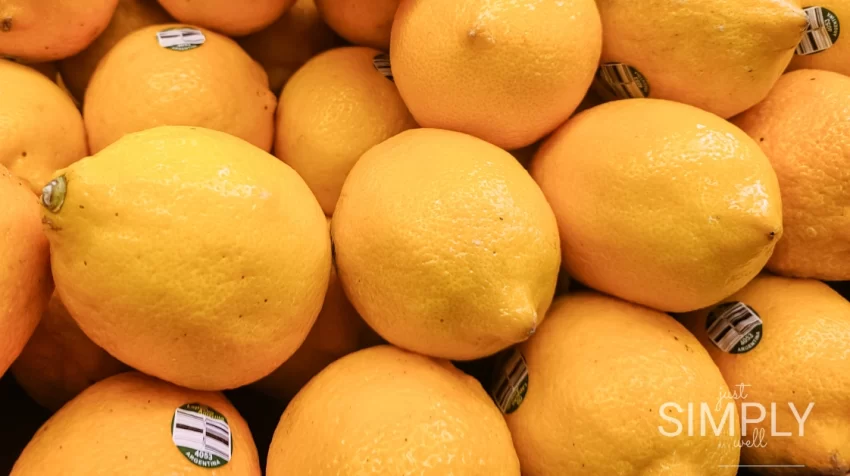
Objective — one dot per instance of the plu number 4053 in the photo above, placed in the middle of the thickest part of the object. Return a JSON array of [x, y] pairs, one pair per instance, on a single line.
[[206, 455]]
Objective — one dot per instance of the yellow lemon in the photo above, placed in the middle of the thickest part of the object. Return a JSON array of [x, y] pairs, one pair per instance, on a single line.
[[660, 203], [722, 56], [222, 251], [334, 109], [445, 245]]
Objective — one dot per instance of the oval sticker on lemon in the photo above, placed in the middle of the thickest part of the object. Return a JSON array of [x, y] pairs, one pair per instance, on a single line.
[[382, 64], [621, 81], [511, 382], [181, 39], [822, 31], [202, 435], [734, 327]]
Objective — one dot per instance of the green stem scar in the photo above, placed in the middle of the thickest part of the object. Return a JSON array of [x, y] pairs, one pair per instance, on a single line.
[[53, 194]]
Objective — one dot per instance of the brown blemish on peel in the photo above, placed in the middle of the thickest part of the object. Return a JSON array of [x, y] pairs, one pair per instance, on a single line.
[[46, 221]]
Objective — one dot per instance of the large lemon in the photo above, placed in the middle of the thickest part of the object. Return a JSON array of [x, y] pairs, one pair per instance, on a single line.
[[189, 254]]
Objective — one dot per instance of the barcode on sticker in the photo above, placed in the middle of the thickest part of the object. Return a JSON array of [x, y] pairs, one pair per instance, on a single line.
[[180, 38], [818, 36], [732, 324], [623, 80], [382, 64], [511, 384], [201, 433]]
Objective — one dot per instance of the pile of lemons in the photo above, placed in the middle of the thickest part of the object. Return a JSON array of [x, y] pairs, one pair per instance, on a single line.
[[489, 237]]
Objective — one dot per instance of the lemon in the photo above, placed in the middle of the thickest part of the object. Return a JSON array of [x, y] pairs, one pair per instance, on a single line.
[[386, 411], [189, 254], [333, 110], [719, 55], [289, 42], [126, 425], [508, 72], [59, 361], [445, 245], [25, 283], [660, 203], [803, 128], [793, 341], [598, 390]]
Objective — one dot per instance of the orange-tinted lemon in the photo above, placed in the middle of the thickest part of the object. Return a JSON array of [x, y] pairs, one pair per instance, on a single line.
[[804, 129], [41, 129], [338, 331], [226, 16], [783, 345], [128, 17], [333, 110], [285, 45], [133, 424], [25, 283], [60, 361], [387, 411], [48, 30], [179, 76], [825, 47], [506, 72], [362, 22], [604, 388]]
